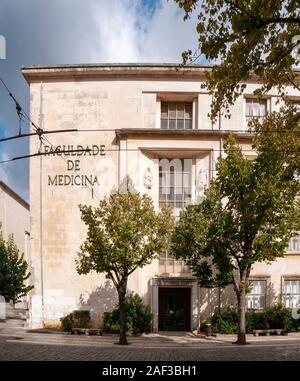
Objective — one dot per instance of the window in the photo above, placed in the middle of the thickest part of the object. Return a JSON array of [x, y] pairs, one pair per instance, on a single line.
[[175, 183], [294, 244], [256, 108], [176, 116], [296, 103], [175, 187], [256, 299], [292, 293]]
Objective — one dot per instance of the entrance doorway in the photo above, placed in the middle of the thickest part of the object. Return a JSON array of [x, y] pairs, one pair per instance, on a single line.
[[174, 309]]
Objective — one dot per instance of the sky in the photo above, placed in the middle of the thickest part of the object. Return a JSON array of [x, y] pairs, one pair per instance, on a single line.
[[78, 31]]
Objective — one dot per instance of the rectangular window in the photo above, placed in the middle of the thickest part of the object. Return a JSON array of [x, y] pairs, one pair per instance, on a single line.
[[292, 293], [176, 116], [175, 187], [175, 183], [294, 244], [296, 103], [256, 299], [256, 108]]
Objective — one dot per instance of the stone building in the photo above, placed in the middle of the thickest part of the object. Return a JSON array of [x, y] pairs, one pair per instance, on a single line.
[[14, 217], [148, 121]]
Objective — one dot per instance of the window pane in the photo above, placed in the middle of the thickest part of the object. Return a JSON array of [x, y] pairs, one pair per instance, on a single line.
[[263, 108], [172, 110], [188, 124], [164, 110], [164, 123], [180, 110], [188, 111], [248, 107], [172, 124], [180, 124]]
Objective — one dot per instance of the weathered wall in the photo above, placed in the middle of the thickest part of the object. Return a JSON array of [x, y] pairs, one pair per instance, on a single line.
[[96, 107]]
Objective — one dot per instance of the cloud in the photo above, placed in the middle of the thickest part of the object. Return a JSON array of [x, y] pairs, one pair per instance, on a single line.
[[81, 31], [128, 32]]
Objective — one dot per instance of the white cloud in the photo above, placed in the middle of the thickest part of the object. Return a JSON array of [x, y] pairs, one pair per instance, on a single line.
[[81, 31], [129, 33]]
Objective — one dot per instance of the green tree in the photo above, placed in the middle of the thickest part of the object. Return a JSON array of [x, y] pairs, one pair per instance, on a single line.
[[124, 234], [13, 271], [248, 214], [246, 37]]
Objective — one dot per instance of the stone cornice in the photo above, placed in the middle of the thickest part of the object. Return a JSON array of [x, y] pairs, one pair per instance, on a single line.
[[137, 70], [138, 132]]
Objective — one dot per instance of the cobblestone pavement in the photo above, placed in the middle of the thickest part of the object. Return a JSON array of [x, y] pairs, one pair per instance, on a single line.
[[23, 346]]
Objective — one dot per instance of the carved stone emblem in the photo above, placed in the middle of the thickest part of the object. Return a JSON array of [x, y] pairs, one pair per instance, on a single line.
[[148, 178]]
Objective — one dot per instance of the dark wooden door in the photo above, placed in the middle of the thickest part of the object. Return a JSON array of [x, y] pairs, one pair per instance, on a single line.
[[174, 309]]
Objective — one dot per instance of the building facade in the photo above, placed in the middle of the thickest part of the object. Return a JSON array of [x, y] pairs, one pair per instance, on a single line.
[[14, 218], [149, 122]]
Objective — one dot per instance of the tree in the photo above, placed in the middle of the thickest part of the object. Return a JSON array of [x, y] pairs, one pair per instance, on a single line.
[[253, 37], [249, 212], [13, 271], [124, 234]]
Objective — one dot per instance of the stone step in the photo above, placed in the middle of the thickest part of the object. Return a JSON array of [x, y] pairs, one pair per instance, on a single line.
[[15, 313], [13, 323]]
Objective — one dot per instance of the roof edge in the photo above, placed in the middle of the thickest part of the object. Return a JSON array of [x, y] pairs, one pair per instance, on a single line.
[[14, 195]]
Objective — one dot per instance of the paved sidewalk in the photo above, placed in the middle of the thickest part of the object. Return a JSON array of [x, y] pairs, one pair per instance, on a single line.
[[18, 344]]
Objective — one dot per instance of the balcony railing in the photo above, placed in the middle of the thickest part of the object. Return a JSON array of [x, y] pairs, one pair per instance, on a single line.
[[294, 244]]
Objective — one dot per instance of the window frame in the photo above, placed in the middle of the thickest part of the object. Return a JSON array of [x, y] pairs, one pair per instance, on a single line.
[[284, 294], [265, 295], [248, 118], [166, 256], [175, 118]]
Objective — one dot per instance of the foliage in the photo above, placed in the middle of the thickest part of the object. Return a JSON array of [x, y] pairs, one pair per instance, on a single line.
[[124, 233], [246, 37], [256, 320], [139, 317], [67, 323], [13, 271], [249, 212], [277, 317], [76, 319], [225, 322], [247, 215]]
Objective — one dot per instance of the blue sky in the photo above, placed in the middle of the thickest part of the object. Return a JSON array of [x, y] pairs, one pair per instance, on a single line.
[[81, 31]]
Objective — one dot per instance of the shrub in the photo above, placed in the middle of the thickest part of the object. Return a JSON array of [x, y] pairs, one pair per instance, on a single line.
[[139, 317], [76, 319], [67, 323], [277, 316], [296, 323], [225, 322], [81, 319]]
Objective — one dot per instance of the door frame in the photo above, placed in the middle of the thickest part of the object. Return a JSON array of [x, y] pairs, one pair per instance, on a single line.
[[187, 321], [176, 282]]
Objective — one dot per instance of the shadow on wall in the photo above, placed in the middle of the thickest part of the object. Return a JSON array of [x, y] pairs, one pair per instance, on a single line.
[[220, 299], [103, 299]]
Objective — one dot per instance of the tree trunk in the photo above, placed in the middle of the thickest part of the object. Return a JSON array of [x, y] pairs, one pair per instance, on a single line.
[[123, 338], [241, 296]]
